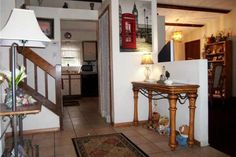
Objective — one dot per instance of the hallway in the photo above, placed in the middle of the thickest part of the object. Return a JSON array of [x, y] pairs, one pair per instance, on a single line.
[[84, 120]]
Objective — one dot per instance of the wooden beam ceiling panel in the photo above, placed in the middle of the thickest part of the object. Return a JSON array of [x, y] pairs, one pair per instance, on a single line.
[[190, 8], [184, 24]]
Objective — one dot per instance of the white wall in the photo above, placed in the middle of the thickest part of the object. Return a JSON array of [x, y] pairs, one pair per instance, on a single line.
[[192, 72], [127, 68]]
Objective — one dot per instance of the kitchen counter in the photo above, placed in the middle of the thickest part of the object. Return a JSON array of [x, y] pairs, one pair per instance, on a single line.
[[88, 73], [70, 73]]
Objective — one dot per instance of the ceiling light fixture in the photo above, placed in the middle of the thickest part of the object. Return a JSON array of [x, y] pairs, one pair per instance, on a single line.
[[177, 36]]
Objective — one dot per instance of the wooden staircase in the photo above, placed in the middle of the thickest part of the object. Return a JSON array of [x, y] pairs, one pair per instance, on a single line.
[[49, 70]]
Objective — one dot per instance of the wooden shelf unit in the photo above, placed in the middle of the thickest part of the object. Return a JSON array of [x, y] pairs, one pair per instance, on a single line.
[[221, 53]]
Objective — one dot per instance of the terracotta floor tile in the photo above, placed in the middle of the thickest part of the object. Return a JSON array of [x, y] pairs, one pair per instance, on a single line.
[[84, 120], [162, 154], [101, 131], [139, 140], [129, 133], [46, 151], [88, 132], [163, 145], [209, 152], [149, 148], [65, 133], [156, 138], [43, 142], [65, 151], [44, 135], [63, 141]]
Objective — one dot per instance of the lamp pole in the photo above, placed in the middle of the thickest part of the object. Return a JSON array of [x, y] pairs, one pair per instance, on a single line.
[[13, 75]]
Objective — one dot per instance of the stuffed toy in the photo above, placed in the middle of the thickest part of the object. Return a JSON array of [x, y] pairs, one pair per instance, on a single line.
[[184, 129], [155, 120], [163, 125]]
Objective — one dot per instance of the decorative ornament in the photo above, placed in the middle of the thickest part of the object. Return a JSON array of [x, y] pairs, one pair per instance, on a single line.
[[67, 35], [91, 6]]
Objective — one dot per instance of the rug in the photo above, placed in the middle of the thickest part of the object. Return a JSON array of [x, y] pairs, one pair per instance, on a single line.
[[109, 145]]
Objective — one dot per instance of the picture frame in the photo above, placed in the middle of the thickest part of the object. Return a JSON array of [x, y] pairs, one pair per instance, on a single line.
[[135, 26], [89, 50], [47, 26]]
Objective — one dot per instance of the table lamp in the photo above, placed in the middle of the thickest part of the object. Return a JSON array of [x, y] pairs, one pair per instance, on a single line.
[[22, 29], [147, 61]]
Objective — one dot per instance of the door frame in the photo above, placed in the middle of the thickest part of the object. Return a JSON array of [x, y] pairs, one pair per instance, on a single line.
[[108, 10]]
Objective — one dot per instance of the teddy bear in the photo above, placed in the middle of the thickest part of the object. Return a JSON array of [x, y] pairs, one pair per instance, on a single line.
[[184, 129]]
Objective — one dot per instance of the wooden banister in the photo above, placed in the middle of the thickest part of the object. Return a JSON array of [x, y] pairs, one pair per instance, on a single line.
[[58, 93], [40, 98], [39, 61], [53, 71]]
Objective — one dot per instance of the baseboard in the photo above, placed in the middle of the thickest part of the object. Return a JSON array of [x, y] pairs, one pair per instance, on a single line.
[[36, 131]]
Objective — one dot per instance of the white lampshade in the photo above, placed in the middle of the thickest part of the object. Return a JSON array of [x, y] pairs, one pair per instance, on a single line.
[[147, 59], [21, 26]]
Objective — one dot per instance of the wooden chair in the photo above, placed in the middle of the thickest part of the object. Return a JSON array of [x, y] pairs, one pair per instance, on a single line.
[[216, 82]]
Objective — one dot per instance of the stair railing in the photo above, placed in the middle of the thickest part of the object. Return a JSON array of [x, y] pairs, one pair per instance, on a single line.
[[48, 69]]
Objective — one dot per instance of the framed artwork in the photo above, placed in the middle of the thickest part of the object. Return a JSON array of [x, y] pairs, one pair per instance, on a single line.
[[47, 26], [135, 26], [89, 50]]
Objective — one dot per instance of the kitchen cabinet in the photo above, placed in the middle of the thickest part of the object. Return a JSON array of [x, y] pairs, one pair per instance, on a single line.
[[71, 84], [75, 85], [89, 83]]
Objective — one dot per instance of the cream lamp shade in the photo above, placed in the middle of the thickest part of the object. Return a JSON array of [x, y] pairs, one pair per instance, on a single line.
[[23, 29], [147, 59]]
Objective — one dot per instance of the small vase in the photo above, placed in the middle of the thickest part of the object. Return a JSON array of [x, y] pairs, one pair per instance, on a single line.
[[8, 97]]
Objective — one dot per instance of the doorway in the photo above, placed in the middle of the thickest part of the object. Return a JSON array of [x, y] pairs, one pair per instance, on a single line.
[[104, 61], [192, 50], [75, 35]]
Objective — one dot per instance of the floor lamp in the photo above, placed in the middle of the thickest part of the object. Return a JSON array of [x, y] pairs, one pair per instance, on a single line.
[[22, 29]]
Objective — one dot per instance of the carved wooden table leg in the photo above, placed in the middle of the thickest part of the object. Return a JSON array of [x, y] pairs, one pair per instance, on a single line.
[[172, 110], [150, 105], [135, 106], [192, 107]]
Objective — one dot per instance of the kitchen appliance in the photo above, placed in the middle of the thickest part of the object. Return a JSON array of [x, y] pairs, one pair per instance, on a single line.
[[88, 68]]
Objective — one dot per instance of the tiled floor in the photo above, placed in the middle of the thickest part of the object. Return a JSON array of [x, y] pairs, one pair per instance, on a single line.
[[84, 120]]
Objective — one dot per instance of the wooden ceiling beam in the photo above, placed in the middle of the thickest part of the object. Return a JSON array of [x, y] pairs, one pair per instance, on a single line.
[[190, 8], [184, 24]]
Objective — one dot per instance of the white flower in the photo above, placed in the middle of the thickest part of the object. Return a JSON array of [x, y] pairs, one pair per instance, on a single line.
[[20, 75]]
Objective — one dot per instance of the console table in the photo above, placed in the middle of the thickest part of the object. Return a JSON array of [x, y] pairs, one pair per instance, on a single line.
[[175, 92], [19, 113]]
